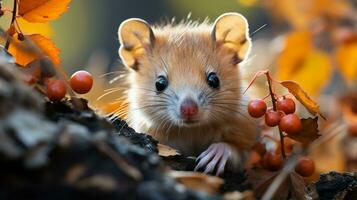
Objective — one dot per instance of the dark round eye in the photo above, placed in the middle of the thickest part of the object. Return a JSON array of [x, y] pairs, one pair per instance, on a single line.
[[213, 80], [161, 83]]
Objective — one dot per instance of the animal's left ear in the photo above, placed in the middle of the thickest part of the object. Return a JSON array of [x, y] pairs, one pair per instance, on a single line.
[[231, 30]]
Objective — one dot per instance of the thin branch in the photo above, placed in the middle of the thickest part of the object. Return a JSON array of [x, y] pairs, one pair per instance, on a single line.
[[275, 109], [14, 12]]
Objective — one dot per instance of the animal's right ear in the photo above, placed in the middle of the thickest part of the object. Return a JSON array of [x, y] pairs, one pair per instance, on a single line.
[[136, 38]]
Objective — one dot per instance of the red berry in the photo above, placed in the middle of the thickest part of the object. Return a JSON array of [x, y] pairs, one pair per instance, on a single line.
[[56, 89], [288, 146], [305, 167], [344, 35], [291, 124], [257, 108], [272, 118], [81, 82], [259, 147], [352, 129], [272, 161], [286, 105]]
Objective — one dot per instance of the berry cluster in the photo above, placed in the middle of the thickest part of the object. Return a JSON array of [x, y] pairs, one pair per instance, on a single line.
[[284, 116], [43, 74], [281, 114], [273, 161], [81, 82]]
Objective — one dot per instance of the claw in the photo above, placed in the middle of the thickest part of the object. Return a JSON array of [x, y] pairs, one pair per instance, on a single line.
[[215, 157]]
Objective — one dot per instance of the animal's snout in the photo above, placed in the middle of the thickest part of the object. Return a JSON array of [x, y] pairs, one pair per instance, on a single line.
[[189, 108]]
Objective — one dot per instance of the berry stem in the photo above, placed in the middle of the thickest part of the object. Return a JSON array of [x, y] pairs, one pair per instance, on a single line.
[[14, 12], [273, 100]]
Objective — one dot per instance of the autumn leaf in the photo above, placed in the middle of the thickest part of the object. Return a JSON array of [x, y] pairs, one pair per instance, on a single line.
[[29, 28], [197, 181], [296, 90], [301, 13], [167, 151], [300, 62], [308, 133], [42, 10], [24, 55], [346, 56], [261, 179]]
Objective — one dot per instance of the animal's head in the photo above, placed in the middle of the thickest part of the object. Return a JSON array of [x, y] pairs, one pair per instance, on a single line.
[[185, 74]]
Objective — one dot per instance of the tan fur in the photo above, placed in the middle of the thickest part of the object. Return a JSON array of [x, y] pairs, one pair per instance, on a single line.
[[186, 53]]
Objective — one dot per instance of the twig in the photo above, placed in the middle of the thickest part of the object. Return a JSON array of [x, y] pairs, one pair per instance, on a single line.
[[14, 12], [328, 134], [275, 109], [121, 163]]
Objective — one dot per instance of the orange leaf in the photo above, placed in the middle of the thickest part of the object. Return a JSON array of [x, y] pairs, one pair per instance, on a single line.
[[347, 60], [29, 28], [295, 89], [308, 133], [25, 55], [300, 62], [42, 10]]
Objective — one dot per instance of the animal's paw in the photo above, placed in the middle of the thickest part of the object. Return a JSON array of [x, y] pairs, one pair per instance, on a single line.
[[214, 158]]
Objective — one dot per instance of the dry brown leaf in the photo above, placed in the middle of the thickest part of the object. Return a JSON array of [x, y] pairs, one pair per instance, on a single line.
[[41, 11], [167, 151], [197, 181], [309, 131], [24, 55], [297, 186], [296, 90], [261, 179], [346, 56]]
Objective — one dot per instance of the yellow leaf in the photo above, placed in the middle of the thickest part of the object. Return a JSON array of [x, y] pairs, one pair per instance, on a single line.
[[42, 10], [28, 28], [346, 56], [300, 13], [247, 3], [296, 90], [300, 62], [24, 55]]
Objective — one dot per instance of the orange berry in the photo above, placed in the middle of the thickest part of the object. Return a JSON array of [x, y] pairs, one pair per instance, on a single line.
[[272, 118], [288, 146], [291, 124], [56, 89], [259, 147], [81, 82], [286, 105], [272, 161], [352, 129], [305, 167], [257, 108]]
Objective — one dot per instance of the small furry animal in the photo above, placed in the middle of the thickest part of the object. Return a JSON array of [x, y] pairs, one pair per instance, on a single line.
[[185, 87]]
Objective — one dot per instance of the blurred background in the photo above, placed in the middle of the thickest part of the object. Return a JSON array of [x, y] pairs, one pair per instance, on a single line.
[[313, 42], [91, 26]]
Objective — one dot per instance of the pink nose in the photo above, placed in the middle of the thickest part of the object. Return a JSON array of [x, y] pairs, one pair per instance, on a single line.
[[189, 108]]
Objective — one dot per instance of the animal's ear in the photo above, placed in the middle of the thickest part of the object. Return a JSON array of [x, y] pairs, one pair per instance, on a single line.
[[136, 38], [231, 30]]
